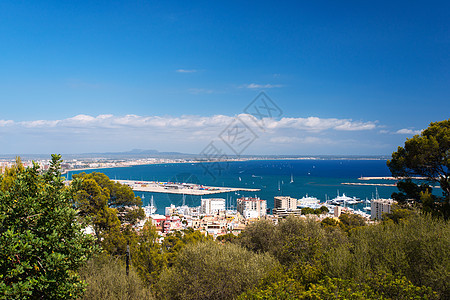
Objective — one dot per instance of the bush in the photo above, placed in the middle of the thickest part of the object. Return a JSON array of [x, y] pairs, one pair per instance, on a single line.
[[416, 247], [106, 279], [208, 270]]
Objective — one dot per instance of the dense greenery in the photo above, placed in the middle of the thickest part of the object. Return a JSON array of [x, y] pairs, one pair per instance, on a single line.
[[402, 260], [208, 270], [107, 280], [41, 242], [426, 155], [317, 211]]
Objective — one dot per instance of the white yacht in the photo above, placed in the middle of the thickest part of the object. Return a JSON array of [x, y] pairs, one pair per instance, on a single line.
[[307, 200], [345, 200], [150, 208]]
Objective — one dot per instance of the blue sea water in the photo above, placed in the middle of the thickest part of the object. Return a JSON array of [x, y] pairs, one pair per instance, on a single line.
[[318, 178]]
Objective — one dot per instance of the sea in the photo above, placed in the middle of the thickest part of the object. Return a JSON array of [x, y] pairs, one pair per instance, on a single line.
[[320, 178]]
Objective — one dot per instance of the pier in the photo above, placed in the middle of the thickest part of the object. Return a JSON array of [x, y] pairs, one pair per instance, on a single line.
[[179, 188], [390, 178]]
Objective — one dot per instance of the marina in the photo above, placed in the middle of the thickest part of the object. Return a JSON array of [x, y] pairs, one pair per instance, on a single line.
[[187, 183], [180, 188], [369, 184]]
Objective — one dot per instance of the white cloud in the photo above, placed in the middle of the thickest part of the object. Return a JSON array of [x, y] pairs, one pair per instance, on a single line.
[[408, 131], [260, 86], [312, 124], [319, 124], [4, 123], [187, 133], [186, 71], [300, 140]]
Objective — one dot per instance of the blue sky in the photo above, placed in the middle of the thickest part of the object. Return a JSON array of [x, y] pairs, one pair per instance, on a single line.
[[349, 77]]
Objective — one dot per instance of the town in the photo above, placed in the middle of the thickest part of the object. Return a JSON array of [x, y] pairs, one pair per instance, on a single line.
[[214, 219]]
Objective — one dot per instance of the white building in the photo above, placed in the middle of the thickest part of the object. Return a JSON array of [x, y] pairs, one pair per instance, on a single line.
[[212, 206], [337, 211], [284, 202], [380, 206], [251, 207]]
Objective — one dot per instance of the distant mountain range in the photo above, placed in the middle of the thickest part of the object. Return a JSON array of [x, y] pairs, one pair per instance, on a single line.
[[142, 153]]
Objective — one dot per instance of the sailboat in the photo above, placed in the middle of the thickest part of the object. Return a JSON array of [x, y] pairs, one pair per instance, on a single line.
[[292, 178], [279, 186], [367, 206], [150, 208]]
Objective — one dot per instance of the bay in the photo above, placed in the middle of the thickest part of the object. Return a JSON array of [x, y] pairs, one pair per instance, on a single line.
[[319, 178]]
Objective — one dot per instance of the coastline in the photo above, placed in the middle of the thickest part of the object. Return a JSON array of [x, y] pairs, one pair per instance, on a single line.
[[237, 160]]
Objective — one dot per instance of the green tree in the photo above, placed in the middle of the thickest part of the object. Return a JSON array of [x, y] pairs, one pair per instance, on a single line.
[[380, 286], [260, 236], [317, 211], [227, 238], [106, 279], [147, 256], [41, 242], [398, 214], [330, 223], [91, 200], [426, 155], [174, 242], [209, 270], [416, 247], [119, 196], [278, 284], [350, 221], [307, 211]]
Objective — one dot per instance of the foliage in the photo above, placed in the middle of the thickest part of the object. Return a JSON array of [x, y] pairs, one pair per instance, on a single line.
[[316, 211], [110, 208], [293, 240], [278, 284], [208, 270], [41, 242], [106, 279], [115, 241], [119, 196], [427, 155], [92, 203], [380, 286], [350, 221], [416, 247], [330, 222], [260, 236], [148, 258], [398, 214], [174, 242], [227, 238]]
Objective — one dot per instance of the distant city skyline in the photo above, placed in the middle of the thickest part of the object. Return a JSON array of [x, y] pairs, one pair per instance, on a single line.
[[349, 79]]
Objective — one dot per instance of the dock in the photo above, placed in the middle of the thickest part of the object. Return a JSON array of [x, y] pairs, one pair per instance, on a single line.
[[390, 178], [179, 188]]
